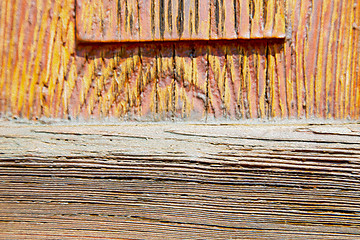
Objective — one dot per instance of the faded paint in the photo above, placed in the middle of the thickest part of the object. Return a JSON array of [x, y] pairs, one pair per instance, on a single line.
[[173, 20], [314, 72]]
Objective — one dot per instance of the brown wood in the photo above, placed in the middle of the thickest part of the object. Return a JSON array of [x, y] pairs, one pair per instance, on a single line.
[[179, 181], [235, 180], [314, 72]]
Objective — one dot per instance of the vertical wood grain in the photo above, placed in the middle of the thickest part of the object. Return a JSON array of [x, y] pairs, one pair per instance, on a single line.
[[38, 51], [355, 60], [191, 81], [158, 20], [314, 72]]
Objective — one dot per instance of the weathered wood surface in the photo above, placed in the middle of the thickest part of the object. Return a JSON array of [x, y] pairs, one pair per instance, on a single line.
[[179, 181], [172, 20], [314, 72]]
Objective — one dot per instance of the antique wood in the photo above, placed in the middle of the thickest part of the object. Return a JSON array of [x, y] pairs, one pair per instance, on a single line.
[[313, 72], [172, 20], [221, 178], [179, 181]]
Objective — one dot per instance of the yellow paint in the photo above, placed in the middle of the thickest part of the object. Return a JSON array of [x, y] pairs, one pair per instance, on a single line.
[[43, 82], [348, 57]]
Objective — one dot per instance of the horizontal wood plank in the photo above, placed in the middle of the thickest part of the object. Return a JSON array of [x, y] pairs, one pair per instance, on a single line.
[[179, 181]]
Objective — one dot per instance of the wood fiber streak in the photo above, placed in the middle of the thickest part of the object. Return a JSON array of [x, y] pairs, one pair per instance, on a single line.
[[37, 57], [141, 181], [314, 72]]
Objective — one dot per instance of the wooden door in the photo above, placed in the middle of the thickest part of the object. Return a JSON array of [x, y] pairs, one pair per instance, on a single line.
[[163, 60]]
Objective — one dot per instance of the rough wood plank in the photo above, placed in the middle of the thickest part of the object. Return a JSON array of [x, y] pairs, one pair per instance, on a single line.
[[156, 181]]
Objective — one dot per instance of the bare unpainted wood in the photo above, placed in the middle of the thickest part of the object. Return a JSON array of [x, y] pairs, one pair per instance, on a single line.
[[314, 72], [179, 181]]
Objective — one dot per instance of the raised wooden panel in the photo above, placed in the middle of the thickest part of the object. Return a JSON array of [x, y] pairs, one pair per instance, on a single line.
[[169, 20]]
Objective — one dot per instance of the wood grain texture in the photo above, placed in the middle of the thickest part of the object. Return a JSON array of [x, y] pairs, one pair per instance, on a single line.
[[37, 57], [179, 181], [314, 72], [173, 20]]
